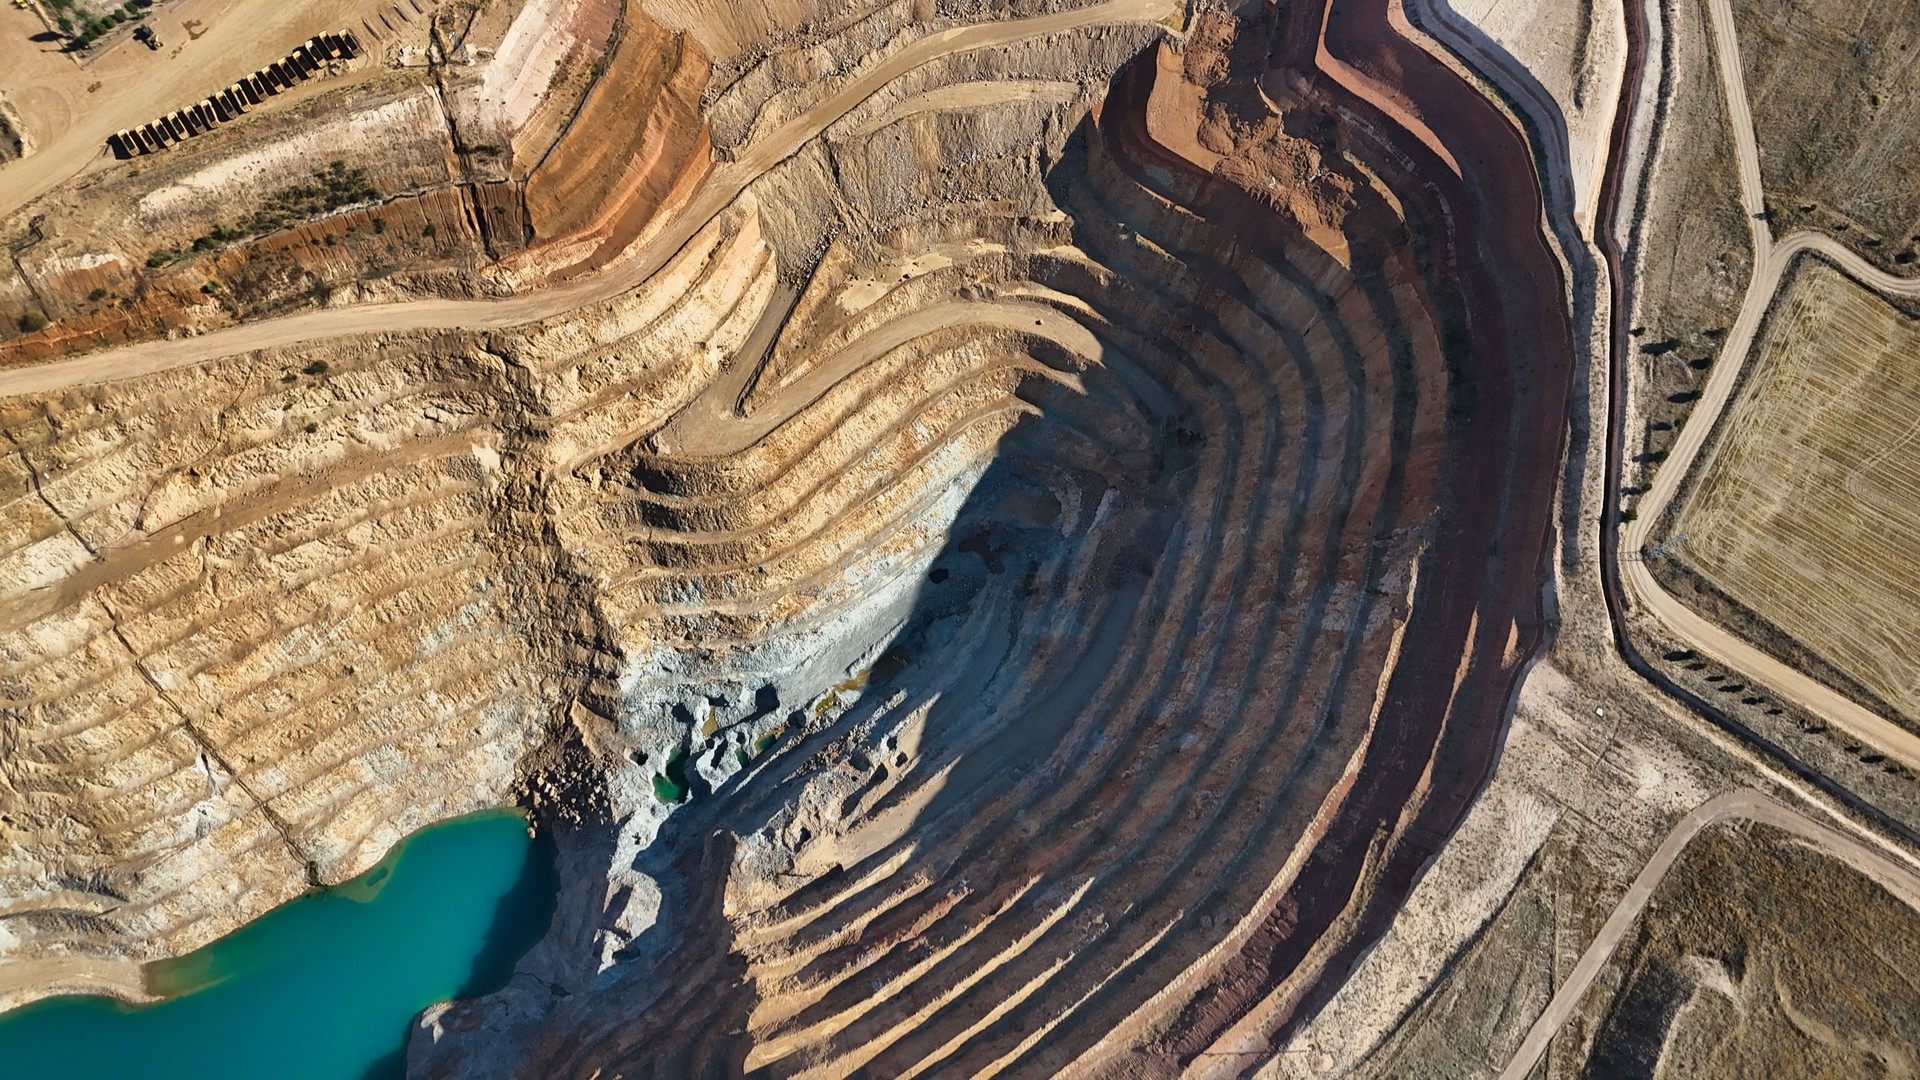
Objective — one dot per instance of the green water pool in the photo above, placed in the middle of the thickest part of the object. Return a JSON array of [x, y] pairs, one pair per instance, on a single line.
[[323, 988]]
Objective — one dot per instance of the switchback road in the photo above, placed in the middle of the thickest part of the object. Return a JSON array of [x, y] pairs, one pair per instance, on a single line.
[[723, 186]]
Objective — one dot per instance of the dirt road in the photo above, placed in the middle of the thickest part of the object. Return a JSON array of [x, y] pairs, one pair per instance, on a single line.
[[69, 109], [713, 425], [1771, 262], [723, 186], [1895, 875]]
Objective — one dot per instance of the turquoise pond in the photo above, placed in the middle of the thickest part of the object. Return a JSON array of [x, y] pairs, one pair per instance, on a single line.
[[322, 988]]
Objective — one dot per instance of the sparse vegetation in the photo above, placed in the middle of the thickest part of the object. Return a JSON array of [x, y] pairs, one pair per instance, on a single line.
[[1834, 104], [1802, 942], [83, 26], [1826, 558], [333, 187], [33, 321]]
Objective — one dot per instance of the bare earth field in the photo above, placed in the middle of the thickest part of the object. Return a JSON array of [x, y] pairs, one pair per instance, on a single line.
[[1805, 511]]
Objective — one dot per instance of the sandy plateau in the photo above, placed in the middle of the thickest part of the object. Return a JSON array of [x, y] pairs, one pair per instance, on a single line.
[[1013, 537]]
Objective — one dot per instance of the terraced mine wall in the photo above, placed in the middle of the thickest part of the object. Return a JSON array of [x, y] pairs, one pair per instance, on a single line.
[[635, 145], [1025, 588], [608, 177], [1219, 649]]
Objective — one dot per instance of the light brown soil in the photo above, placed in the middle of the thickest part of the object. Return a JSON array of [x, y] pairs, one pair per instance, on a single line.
[[1761, 956], [1835, 91]]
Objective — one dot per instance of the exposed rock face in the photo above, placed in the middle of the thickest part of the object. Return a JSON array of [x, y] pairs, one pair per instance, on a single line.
[[443, 211], [1075, 525], [1171, 710], [262, 623]]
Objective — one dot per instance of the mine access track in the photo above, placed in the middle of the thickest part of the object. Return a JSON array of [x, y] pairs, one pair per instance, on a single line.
[[197, 119]]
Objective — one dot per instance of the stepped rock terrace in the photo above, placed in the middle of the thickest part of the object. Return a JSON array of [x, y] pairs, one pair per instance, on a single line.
[[1074, 520]]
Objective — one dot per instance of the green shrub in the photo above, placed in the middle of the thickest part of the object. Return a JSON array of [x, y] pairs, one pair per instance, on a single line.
[[317, 368], [32, 321], [333, 187], [97, 294]]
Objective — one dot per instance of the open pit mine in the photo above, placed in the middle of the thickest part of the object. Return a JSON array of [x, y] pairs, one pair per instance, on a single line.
[[984, 537]]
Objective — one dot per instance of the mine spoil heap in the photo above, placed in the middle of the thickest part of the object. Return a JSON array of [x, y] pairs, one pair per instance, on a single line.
[[1069, 533]]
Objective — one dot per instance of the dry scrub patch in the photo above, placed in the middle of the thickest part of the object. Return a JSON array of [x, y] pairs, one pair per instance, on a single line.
[[1689, 245], [1835, 91], [1762, 957], [1805, 513]]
